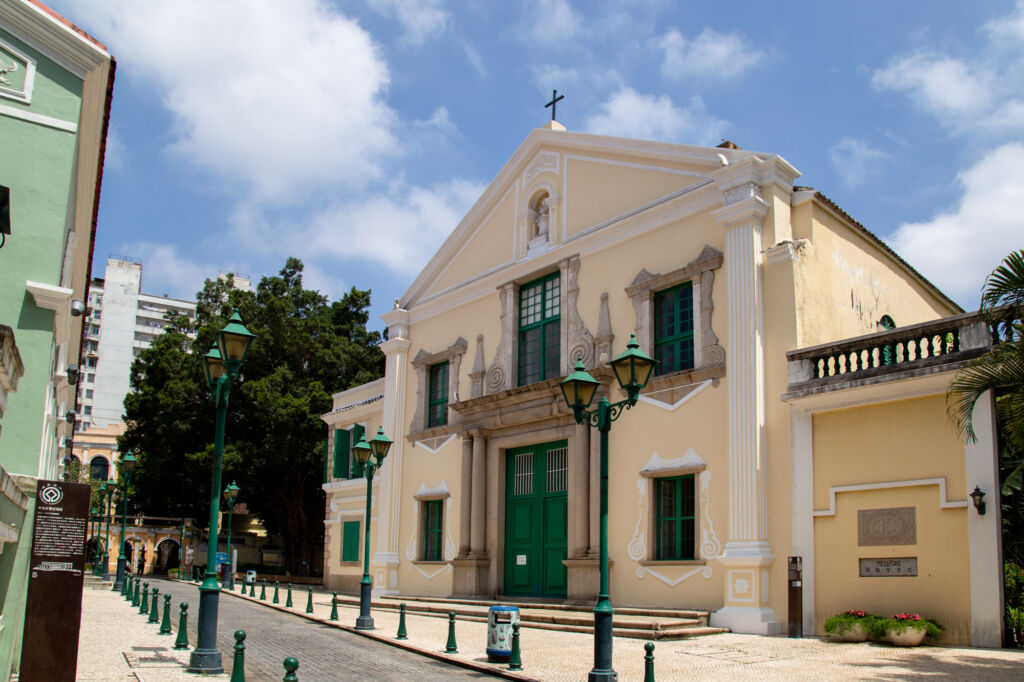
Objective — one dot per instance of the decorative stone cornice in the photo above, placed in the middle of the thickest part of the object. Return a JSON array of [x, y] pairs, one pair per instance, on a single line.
[[48, 296]]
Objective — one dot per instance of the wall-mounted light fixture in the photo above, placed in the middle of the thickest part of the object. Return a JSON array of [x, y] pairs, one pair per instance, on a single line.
[[73, 374], [978, 498], [77, 308], [69, 442], [70, 416]]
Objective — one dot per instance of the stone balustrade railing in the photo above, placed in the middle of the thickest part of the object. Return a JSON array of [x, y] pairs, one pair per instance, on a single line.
[[916, 347]]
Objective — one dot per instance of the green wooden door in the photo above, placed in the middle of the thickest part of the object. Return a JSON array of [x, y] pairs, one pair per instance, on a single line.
[[536, 520]]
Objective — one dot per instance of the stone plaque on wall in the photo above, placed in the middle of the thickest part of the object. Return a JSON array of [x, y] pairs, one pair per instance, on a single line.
[[903, 566], [894, 526]]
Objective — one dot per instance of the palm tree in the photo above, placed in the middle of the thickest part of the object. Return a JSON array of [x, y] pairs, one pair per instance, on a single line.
[[1001, 369]]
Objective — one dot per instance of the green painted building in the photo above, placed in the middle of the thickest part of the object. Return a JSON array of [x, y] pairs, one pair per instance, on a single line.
[[55, 89]]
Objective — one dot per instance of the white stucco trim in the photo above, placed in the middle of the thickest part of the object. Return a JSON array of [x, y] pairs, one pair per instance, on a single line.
[[801, 428], [433, 451], [983, 532], [31, 117], [944, 501], [48, 296], [686, 398]]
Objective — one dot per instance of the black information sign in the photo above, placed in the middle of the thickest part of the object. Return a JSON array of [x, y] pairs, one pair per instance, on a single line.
[[53, 606], [795, 574]]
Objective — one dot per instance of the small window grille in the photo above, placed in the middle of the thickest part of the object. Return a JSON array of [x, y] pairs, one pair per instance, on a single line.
[[524, 474], [558, 470]]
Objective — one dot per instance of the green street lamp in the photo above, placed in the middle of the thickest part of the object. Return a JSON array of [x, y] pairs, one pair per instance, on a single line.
[[220, 366], [94, 523], [230, 495], [127, 467], [377, 447], [633, 370], [110, 490]]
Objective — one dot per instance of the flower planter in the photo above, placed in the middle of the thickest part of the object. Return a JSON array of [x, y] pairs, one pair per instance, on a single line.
[[911, 636], [855, 632]]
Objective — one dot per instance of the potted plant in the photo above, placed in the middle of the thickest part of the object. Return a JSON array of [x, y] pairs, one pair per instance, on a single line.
[[172, 573], [905, 629], [853, 626]]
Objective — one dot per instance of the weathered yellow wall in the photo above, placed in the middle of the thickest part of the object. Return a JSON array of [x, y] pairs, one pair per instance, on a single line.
[[898, 441], [845, 284]]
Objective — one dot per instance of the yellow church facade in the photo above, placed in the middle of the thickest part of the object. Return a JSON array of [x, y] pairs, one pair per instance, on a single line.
[[751, 443]]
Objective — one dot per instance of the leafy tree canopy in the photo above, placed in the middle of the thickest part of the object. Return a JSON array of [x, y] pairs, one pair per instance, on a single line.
[[306, 348]]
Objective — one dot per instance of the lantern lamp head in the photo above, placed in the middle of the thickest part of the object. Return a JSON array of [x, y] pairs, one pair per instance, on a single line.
[[128, 462], [380, 445], [233, 340], [213, 366], [978, 498], [633, 369], [362, 450], [578, 389], [231, 493]]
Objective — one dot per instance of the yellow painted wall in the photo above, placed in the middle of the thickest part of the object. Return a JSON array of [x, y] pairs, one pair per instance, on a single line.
[[845, 284], [898, 441]]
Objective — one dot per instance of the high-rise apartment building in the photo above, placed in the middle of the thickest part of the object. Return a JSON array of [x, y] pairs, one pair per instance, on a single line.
[[121, 321]]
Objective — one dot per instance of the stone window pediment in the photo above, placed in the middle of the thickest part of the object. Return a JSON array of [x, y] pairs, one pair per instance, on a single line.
[[708, 355], [424, 360]]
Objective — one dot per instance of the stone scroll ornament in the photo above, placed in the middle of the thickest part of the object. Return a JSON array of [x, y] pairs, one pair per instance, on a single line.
[[579, 338]]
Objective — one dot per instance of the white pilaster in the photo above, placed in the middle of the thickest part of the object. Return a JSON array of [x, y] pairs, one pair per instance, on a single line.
[[983, 531], [396, 351], [802, 472]]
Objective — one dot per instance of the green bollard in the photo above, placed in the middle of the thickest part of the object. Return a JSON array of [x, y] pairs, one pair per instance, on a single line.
[[144, 607], [165, 626], [334, 606], [402, 634], [263, 590], [127, 588], [291, 664], [252, 588], [514, 660], [182, 641], [276, 600], [135, 598], [238, 667], [450, 647], [154, 613], [309, 600], [649, 662], [288, 601]]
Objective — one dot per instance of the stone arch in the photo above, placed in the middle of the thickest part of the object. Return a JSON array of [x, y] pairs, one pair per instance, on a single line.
[[99, 468], [167, 555]]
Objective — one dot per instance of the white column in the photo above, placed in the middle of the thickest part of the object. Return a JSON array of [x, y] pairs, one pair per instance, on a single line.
[[802, 472], [478, 522], [983, 531]]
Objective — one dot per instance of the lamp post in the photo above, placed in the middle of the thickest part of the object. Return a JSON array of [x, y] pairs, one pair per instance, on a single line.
[[106, 543], [632, 369], [230, 495], [378, 447], [94, 522], [127, 467], [221, 368], [181, 551]]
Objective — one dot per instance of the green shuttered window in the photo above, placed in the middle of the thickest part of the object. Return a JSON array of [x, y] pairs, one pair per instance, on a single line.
[[437, 399], [345, 464], [539, 329], [675, 502], [350, 541], [433, 517], [673, 329]]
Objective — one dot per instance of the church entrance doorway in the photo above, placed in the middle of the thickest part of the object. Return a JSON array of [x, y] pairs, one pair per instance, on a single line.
[[536, 520]]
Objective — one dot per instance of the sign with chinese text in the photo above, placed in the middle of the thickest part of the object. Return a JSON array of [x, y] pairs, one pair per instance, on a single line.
[[905, 566]]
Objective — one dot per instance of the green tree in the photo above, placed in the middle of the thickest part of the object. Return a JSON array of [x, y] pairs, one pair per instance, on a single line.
[[307, 348], [1001, 369]]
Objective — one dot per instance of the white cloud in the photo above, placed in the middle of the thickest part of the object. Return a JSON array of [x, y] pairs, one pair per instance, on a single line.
[[947, 87], [630, 114], [399, 230], [551, 21], [419, 19], [975, 94], [712, 54], [475, 60], [958, 249], [285, 97], [852, 159]]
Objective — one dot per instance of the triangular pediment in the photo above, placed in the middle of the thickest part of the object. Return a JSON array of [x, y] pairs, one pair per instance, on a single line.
[[588, 182]]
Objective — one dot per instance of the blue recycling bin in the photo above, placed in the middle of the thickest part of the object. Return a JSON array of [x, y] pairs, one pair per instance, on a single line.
[[499, 632]]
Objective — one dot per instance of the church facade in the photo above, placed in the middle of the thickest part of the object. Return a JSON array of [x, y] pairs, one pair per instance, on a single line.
[[731, 459]]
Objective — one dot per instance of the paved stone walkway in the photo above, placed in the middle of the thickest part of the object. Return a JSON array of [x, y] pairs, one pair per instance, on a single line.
[[117, 646]]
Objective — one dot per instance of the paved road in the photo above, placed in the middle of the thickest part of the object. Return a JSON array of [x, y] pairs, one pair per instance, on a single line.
[[325, 654]]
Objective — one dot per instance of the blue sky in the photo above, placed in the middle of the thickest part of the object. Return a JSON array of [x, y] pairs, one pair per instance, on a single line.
[[355, 135]]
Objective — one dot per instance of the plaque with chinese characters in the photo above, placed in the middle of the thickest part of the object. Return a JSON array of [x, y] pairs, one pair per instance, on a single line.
[[903, 567], [894, 526]]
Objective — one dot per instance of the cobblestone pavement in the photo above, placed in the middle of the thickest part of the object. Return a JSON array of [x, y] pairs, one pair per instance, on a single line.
[[325, 653]]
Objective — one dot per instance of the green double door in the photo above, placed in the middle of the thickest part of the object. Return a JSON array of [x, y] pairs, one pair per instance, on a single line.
[[536, 520]]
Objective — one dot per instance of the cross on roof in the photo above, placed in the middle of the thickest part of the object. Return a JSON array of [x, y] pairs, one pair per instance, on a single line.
[[555, 99]]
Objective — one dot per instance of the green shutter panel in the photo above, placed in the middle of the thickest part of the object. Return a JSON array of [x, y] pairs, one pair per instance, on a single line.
[[350, 541], [341, 453], [327, 442]]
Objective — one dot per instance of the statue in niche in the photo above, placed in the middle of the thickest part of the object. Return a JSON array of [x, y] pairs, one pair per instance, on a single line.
[[541, 216]]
